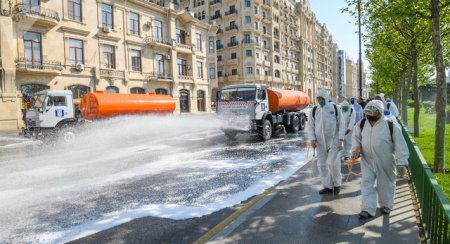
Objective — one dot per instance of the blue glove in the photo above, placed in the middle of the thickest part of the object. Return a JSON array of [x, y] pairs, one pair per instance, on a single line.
[[386, 112]]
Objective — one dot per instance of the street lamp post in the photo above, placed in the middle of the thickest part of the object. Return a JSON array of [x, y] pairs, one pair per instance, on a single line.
[[360, 53]]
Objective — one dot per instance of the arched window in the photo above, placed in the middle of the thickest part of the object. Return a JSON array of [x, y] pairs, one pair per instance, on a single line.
[[161, 91], [277, 73], [184, 101], [201, 103], [112, 89], [79, 91], [137, 90], [29, 89], [277, 59]]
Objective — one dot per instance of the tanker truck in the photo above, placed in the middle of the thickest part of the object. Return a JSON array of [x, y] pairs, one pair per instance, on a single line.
[[260, 109], [54, 111]]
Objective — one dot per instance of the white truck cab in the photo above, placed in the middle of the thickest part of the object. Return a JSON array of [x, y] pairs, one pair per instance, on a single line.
[[49, 109]]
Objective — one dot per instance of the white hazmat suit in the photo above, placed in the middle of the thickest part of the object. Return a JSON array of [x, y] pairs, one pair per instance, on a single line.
[[378, 164], [359, 113], [325, 129], [348, 123], [392, 107]]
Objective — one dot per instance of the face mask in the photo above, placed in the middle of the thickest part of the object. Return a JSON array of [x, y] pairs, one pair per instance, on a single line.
[[322, 104], [372, 118], [353, 102]]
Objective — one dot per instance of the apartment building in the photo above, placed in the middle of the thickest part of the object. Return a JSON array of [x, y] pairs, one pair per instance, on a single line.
[[342, 74], [119, 46], [351, 82]]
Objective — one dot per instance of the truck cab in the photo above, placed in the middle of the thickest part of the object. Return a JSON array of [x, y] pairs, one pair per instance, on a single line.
[[49, 109]]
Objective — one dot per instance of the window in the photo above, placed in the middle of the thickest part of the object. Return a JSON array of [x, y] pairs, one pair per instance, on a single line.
[[30, 4], [233, 55], [79, 91], [157, 30], [256, 26], [277, 59], [248, 53], [201, 101], [107, 15], [247, 4], [277, 73], [234, 72], [32, 44], [180, 36], [257, 71], [248, 19], [159, 64], [109, 57], [137, 90], [233, 23], [112, 89], [182, 66], [74, 10], [247, 38], [76, 51], [161, 91], [219, 74], [233, 39], [257, 55], [199, 41], [212, 71], [211, 44], [249, 70], [200, 70], [136, 60], [58, 101], [219, 58], [134, 23], [219, 44]]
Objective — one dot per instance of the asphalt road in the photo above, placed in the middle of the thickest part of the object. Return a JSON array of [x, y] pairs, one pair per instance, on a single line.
[[135, 180]]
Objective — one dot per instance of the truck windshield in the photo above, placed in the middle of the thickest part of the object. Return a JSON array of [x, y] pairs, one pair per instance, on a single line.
[[38, 100], [238, 94]]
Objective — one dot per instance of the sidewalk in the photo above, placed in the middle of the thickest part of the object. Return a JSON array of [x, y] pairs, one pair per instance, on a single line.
[[295, 212]]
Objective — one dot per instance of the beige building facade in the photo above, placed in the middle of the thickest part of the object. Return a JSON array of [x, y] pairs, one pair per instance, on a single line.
[[351, 82], [119, 46]]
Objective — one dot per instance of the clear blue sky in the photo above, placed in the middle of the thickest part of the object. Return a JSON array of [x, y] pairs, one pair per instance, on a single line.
[[340, 25]]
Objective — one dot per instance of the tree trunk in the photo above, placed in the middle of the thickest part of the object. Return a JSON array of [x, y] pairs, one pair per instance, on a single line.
[[395, 94], [415, 90], [406, 86], [441, 98]]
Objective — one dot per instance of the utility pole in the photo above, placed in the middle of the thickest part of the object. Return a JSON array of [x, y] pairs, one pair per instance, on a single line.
[[360, 53]]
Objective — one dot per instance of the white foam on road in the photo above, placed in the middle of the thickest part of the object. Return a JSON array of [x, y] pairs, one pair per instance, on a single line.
[[174, 211]]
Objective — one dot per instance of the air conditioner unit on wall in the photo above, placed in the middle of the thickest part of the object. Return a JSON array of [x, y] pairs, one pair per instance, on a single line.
[[79, 66], [106, 29]]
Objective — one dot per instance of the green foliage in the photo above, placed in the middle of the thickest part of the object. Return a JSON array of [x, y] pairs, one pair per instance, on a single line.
[[411, 103]]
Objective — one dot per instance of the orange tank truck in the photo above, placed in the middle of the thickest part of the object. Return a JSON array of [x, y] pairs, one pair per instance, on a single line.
[[100, 104], [289, 100]]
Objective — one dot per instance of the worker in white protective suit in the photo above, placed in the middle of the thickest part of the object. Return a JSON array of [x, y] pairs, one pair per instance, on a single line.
[[383, 153], [386, 112], [359, 114], [392, 108], [326, 134], [348, 116]]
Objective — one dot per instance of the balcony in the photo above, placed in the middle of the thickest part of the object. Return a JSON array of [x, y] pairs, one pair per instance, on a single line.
[[219, 31], [230, 28], [112, 74], [217, 16], [231, 12], [233, 78], [36, 15], [158, 76], [257, 15], [185, 48], [157, 41], [266, 63], [44, 67], [211, 3], [186, 78], [266, 4], [257, 2], [219, 47], [233, 44], [267, 19], [232, 61]]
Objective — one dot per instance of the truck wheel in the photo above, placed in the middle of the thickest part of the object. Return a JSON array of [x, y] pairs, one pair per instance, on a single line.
[[295, 125], [230, 134], [67, 134], [266, 132], [302, 122]]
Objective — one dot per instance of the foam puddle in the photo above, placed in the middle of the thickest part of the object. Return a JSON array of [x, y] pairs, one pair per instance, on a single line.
[[129, 167]]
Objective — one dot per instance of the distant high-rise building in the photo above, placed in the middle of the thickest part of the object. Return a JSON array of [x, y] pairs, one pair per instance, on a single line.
[[342, 73]]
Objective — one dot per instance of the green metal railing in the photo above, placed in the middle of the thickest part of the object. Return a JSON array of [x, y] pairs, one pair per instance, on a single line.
[[433, 205]]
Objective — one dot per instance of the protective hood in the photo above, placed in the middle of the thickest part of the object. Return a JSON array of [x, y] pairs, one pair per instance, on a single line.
[[375, 105], [388, 100], [345, 104], [324, 94]]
